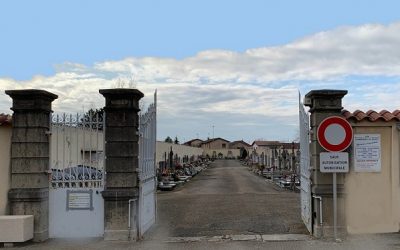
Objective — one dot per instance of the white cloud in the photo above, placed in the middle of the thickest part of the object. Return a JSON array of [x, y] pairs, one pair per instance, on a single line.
[[363, 50], [259, 84]]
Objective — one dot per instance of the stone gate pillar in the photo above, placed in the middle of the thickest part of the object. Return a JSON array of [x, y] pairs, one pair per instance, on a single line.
[[121, 152], [324, 103], [29, 193]]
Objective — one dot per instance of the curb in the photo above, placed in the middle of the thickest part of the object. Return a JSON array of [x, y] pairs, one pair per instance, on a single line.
[[242, 237]]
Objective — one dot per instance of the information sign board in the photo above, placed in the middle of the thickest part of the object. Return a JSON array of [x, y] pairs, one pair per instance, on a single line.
[[334, 162], [367, 152], [79, 200]]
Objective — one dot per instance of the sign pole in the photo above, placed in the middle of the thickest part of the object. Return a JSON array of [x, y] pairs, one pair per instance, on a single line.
[[334, 207], [334, 134]]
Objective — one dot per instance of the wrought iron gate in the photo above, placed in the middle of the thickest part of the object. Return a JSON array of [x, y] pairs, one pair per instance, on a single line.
[[305, 182], [147, 167], [76, 207]]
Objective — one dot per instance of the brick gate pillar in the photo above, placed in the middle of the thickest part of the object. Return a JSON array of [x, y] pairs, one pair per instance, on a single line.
[[29, 193], [121, 152], [324, 103]]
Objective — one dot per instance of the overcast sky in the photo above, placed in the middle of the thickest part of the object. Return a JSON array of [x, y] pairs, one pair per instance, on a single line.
[[234, 65]]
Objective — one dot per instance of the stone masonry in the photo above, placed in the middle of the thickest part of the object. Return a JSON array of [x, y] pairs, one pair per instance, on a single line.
[[324, 103], [121, 152], [29, 193]]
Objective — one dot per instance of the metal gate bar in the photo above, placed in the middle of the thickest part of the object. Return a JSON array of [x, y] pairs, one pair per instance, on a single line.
[[77, 157], [147, 167], [305, 173]]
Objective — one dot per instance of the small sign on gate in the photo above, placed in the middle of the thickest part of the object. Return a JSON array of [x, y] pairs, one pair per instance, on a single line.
[[80, 200]]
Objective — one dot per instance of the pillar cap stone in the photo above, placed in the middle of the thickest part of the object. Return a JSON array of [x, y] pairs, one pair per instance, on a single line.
[[121, 99], [122, 92], [31, 94], [320, 93], [324, 99], [31, 99]]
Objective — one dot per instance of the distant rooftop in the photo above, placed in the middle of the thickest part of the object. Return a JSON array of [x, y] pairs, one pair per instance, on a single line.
[[214, 139], [193, 140], [241, 141], [265, 143]]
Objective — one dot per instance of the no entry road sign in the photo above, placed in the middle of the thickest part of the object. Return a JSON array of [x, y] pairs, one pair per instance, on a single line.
[[335, 134]]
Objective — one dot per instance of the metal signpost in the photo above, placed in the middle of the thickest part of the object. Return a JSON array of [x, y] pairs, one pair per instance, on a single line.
[[334, 134]]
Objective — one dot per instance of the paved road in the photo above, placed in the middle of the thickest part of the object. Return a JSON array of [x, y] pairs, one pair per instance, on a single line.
[[364, 242], [227, 199]]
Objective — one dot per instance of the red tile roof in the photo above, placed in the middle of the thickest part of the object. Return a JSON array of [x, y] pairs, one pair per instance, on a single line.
[[372, 115], [5, 119]]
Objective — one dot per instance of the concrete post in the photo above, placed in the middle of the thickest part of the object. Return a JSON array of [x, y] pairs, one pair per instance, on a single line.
[[324, 103], [121, 152], [29, 193]]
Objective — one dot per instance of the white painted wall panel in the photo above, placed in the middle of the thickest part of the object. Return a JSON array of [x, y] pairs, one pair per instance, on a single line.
[[65, 223]]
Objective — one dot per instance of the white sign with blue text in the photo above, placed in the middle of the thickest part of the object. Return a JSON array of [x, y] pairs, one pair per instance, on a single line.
[[334, 162]]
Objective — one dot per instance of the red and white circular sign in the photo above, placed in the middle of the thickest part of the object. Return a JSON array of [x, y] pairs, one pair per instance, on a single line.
[[335, 134]]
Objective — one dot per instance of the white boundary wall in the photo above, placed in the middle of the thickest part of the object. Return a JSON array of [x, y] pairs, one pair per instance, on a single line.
[[224, 151], [181, 150], [75, 223]]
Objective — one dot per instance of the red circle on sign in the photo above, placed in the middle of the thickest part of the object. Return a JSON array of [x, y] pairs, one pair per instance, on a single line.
[[348, 134]]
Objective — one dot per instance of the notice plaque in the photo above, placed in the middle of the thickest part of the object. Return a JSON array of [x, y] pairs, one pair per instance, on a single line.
[[334, 162], [367, 152], [79, 200]]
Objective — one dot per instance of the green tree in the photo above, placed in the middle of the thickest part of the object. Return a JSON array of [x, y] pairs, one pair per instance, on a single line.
[[168, 139], [176, 141]]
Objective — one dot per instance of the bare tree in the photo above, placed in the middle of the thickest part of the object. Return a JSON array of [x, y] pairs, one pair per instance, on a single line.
[[125, 83]]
